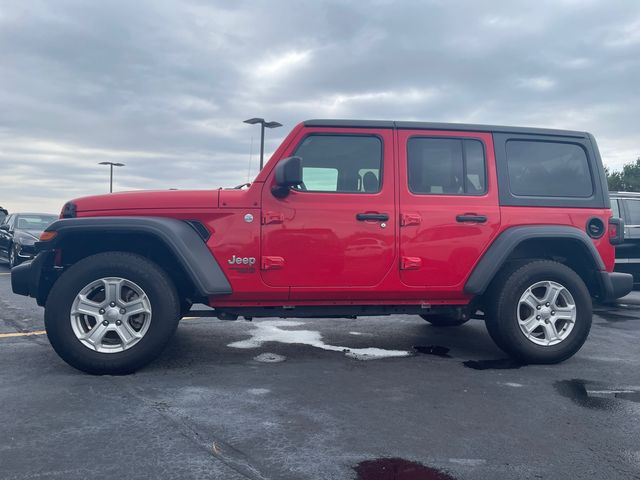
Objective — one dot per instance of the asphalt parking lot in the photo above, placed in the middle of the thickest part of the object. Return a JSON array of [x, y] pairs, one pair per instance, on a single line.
[[323, 399]]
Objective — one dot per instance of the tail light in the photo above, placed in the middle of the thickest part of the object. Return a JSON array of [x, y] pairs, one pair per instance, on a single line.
[[616, 231]]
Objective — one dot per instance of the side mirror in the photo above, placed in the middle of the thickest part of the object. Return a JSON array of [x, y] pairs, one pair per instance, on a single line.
[[4, 227], [288, 174]]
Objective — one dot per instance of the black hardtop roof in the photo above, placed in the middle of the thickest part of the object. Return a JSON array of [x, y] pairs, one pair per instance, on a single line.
[[410, 125]]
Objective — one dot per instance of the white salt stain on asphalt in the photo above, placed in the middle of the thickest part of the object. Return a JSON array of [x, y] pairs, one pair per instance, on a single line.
[[512, 384], [470, 462], [258, 391], [268, 357], [270, 331]]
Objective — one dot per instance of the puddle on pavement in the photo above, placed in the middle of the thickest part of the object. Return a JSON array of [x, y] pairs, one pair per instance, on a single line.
[[596, 396], [499, 364], [397, 469], [436, 350]]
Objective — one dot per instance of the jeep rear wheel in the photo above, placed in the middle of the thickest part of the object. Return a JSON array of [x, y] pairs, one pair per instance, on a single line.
[[111, 313], [540, 312]]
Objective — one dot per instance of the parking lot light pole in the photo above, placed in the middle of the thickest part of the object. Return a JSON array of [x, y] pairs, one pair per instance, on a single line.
[[111, 165], [263, 124]]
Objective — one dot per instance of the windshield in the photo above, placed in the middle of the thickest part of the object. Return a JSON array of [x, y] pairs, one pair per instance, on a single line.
[[34, 222]]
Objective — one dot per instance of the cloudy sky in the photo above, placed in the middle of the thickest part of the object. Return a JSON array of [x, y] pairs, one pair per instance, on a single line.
[[163, 86]]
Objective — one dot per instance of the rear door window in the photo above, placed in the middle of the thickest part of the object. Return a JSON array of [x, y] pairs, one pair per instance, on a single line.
[[548, 169], [446, 166]]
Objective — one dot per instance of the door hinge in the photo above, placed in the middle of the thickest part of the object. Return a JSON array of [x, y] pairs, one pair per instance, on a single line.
[[272, 217], [410, 263], [407, 219], [272, 263]]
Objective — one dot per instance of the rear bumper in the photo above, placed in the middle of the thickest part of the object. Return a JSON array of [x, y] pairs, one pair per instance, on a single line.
[[615, 285], [27, 277]]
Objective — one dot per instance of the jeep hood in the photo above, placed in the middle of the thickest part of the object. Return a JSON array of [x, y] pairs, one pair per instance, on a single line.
[[147, 200]]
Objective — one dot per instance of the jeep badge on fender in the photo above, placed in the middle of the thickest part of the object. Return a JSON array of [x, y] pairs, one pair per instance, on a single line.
[[242, 260], [513, 222]]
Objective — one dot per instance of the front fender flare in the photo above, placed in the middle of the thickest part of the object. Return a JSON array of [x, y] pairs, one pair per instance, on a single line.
[[178, 236]]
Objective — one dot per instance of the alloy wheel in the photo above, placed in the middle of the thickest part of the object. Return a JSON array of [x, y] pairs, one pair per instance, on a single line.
[[546, 313], [110, 315]]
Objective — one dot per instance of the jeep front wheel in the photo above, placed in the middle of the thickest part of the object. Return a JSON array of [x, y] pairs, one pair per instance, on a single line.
[[540, 312], [111, 313]]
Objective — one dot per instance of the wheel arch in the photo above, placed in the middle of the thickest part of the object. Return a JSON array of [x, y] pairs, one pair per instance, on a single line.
[[568, 245], [174, 245]]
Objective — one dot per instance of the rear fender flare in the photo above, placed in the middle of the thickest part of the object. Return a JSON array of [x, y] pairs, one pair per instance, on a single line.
[[500, 250]]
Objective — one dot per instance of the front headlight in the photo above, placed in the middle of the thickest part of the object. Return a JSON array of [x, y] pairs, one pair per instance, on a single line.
[[26, 240]]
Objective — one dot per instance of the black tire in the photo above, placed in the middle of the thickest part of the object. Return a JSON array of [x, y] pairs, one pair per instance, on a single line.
[[502, 319], [185, 307], [441, 320], [162, 295], [12, 256]]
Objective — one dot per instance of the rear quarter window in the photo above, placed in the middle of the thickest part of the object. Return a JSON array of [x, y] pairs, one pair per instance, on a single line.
[[548, 169]]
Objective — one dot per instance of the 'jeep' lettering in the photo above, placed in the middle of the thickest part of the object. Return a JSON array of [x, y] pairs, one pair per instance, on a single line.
[[242, 260]]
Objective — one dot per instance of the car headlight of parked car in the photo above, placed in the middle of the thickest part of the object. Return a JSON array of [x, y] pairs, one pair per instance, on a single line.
[[25, 245]]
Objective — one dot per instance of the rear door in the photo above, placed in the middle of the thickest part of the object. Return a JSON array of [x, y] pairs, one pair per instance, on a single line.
[[449, 210]]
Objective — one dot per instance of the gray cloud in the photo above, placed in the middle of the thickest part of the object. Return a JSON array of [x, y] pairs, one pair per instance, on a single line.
[[164, 86]]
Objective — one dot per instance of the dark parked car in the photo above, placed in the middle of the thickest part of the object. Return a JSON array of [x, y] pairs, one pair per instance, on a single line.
[[626, 205], [18, 233], [3, 214]]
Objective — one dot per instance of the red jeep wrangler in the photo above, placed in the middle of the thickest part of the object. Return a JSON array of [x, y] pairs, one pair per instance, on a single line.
[[348, 218]]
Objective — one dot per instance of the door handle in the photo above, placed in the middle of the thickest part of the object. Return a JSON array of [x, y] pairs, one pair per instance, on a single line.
[[380, 217], [472, 218]]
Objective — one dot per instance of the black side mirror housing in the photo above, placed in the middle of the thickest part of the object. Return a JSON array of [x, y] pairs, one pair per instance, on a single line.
[[4, 227], [288, 174]]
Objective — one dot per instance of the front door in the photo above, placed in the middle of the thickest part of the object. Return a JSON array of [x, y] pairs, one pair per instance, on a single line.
[[336, 231], [449, 209]]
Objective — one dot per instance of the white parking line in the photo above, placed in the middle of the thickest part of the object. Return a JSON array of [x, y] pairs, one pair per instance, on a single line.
[[22, 334]]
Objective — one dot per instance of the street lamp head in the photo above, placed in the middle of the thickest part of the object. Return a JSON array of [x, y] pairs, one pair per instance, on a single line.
[[112, 164], [263, 125]]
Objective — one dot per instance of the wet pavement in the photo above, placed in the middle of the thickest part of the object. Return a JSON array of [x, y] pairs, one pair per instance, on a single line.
[[369, 399]]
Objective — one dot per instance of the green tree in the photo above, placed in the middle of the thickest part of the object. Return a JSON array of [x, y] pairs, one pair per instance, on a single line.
[[626, 180]]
